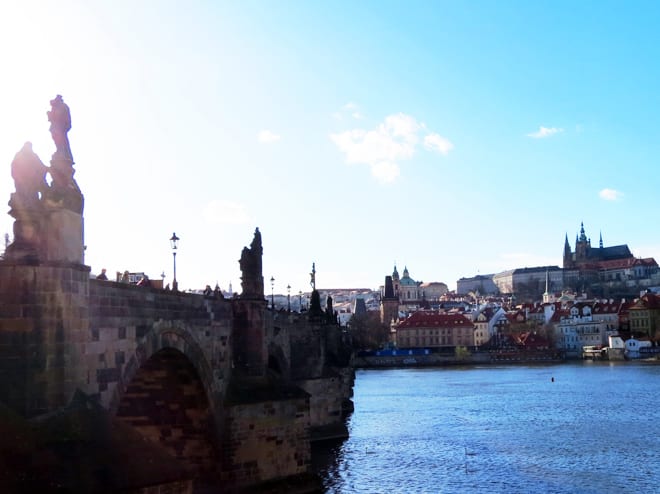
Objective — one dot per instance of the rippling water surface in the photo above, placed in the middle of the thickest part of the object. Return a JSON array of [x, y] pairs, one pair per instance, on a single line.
[[595, 429]]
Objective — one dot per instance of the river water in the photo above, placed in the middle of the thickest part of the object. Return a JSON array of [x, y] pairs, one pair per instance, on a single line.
[[594, 429]]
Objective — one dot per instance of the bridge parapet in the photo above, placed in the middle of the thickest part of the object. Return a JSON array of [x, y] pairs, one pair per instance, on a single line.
[[128, 324], [61, 331]]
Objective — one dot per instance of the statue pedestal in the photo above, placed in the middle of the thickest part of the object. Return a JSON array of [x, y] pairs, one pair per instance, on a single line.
[[63, 236], [50, 232], [27, 230]]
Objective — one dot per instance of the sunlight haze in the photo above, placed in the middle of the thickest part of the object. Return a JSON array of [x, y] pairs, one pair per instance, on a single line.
[[454, 138]]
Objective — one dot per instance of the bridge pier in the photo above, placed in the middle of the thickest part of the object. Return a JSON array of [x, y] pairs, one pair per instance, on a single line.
[[44, 323]]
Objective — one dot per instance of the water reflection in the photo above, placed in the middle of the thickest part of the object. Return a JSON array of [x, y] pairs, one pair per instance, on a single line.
[[499, 429], [327, 456]]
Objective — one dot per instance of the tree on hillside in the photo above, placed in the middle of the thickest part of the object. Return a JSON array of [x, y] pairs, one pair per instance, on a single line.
[[367, 332]]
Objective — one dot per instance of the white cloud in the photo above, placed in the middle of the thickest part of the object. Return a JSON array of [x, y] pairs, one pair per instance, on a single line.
[[267, 137], [545, 132], [435, 142], [383, 148], [226, 212], [403, 126], [610, 194]]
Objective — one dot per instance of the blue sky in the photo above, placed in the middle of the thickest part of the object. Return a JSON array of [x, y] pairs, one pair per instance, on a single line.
[[454, 138]]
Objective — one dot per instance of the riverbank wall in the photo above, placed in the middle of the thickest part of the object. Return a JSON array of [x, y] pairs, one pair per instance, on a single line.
[[443, 360]]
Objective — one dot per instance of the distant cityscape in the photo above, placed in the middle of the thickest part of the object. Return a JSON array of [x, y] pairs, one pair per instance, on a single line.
[[602, 303]]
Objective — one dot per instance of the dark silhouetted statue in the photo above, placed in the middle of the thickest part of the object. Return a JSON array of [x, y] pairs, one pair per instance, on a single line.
[[252, 280]]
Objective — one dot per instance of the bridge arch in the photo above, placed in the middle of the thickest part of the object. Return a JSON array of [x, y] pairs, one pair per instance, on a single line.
[[166, 394]]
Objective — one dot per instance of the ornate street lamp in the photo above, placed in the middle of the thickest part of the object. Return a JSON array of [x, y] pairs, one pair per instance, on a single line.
[[288, 298], [174, 243], [300, 300], [272, 293]]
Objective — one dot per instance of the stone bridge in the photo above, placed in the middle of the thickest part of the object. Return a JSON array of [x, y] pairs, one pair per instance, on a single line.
[[214, 392]]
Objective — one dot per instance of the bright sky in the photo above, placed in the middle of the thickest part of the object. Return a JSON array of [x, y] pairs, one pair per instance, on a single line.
[[455, 138]]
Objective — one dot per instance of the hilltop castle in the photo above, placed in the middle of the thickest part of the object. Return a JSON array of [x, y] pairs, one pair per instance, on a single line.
[[604, 271], [602, 266], [586, 257]]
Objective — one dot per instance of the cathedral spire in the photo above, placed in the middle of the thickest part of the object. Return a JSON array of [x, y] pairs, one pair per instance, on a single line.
[[546, 294], [600, 242], [583, 236], [567, 252]]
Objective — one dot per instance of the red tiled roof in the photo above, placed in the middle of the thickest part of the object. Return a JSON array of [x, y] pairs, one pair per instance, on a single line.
[[647, 301], [516, 316], [433, 319], [605, 308], [532, 340], [627, 263], [558, 314], [625, 306]]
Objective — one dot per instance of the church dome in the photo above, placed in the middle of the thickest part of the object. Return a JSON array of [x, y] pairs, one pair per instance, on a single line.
[[407, 280]]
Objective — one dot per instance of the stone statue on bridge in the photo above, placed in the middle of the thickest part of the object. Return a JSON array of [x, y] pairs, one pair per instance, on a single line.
[[29, 174], [64, 189], [48, 218], [252, 280], [60, 124], [312, 276]]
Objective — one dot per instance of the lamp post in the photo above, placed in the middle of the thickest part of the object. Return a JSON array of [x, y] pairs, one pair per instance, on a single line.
[[288, 298], [272, 293], [300, 300], [174, 242]]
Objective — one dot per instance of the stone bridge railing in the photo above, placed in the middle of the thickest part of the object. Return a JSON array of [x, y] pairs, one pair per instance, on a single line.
[[61, 331]]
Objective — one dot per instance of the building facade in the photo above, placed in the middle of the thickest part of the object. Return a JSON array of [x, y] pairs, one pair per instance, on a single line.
[[432, 329], [482, 284], [575, 328], [488, 322], [529, 283], [644, 316]]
